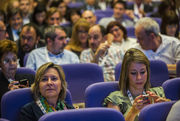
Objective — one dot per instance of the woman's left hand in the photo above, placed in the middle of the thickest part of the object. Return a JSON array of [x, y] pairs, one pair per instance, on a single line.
[[156, 98]]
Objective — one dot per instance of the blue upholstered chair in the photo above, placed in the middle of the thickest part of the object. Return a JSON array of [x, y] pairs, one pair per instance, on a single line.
[[79, 76], [158, 72], [156, 112], [95, 93], [86, 114], [24, 70], [75, 5], [13, 101], [131, 32], [172, 88]]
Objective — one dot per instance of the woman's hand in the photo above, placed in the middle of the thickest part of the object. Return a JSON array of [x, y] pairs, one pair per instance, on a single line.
[[156, 98], [140, 102], [13, 85]]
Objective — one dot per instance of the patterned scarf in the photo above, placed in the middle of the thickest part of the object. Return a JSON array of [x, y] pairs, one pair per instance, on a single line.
[[46, 108]]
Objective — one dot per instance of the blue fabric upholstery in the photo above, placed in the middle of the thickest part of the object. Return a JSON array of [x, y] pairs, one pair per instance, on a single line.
[[79, 76], [156, 112], [172, 88], [95, 93], [13, 101], [88, 114]]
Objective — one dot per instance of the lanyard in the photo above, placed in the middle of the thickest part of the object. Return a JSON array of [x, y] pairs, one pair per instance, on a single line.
[[131, 97], [38, 102]]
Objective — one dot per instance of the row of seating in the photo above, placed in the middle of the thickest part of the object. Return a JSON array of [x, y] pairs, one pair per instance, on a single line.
[[94, 96], [80, 76]]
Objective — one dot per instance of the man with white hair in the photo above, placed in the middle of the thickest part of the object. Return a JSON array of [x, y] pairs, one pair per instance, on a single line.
[[155, 45]]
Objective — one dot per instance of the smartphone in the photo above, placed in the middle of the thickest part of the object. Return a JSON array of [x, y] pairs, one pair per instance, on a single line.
[[23, 82], [146, 99]]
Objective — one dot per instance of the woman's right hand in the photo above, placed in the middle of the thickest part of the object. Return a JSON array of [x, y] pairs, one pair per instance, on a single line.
[[13, 85], [139, 103]]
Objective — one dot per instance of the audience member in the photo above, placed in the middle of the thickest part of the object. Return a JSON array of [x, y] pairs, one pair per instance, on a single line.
[[79, 37], [121, 39], [39, 18], [54, 51], [98, 45], [3, 33], [62, 8], [29, 40], [8, 63], [100, 48], [140, 7], [126, 18], [25, 7], [89, 16], [174, 112], [15, 23], [91, 5], [12, 4], [73, 16], [53, 17], [135, 92], [170, 24], [49, 92], [154, 44], [163, 8]]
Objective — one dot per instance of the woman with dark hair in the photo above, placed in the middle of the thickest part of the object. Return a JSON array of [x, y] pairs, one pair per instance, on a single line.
[[8, 64], [49, 92], [135, 92], [121, 39], [39, 18], [170, 24]]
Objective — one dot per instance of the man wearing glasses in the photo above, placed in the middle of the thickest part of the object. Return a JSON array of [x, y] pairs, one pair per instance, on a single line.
[[54, 51]]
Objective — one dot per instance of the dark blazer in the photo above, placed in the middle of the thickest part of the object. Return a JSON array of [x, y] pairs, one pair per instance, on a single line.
[[32, 112], [10, 33], [4, 82]]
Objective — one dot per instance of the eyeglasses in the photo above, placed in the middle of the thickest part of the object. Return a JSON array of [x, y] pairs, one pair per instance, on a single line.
[[8, 60], [115, 29], [82, 32], [95, 37], [26, 38], [62, 38]]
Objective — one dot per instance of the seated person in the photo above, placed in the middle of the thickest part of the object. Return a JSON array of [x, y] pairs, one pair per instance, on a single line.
[[54, 51], [79, 38], [49, 92], [170, 24], [9, 79], [135, 92], [174, 112], [121, 15]]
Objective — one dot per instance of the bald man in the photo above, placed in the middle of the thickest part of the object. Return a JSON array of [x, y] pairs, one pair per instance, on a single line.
[[90, 17]]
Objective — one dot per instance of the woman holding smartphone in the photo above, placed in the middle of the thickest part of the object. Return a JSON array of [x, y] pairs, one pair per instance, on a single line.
[[135, 92], [9, 79]]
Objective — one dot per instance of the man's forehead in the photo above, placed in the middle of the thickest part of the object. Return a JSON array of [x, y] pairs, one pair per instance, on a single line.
[[28, 30], [59, 31], [95, 29]]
